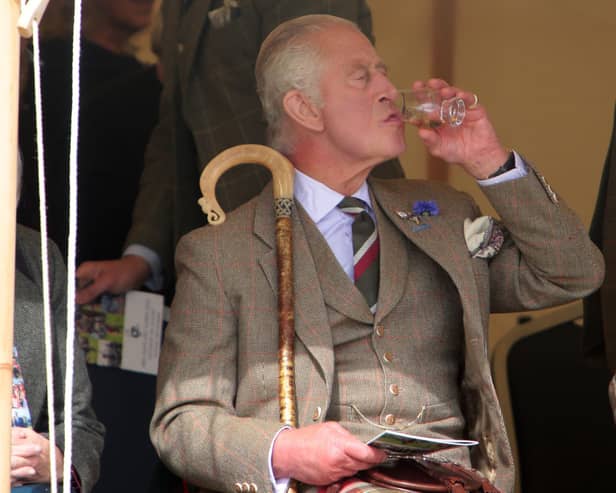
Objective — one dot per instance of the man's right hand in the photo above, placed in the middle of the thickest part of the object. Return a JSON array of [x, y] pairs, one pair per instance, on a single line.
[[322, 454], [111, 276]]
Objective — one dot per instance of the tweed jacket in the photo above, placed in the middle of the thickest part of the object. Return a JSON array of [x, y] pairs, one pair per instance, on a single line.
[[217, 405], [209, 103], [88, 432], [600, 307]]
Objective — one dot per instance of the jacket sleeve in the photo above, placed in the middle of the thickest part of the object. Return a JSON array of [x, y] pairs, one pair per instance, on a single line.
[[152, 219], [549, 259], [153, 212], [195, 428]]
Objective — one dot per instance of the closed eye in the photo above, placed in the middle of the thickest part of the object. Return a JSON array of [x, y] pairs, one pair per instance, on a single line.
[[361, 75]]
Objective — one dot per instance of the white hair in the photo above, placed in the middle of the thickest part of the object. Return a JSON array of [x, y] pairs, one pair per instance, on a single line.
[[289, 59]]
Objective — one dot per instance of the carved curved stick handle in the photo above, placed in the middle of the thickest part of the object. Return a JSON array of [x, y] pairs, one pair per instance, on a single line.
[[283, 174], [281, 168]]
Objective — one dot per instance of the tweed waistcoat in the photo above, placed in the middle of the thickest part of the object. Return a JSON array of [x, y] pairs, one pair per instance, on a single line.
[[400, 370]]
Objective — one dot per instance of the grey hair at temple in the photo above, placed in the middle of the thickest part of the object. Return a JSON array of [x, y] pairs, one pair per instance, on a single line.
[[289, 59]]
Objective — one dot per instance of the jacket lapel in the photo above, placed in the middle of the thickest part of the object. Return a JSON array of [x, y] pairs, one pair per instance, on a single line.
[[338, 290], [311, 322], [393, 263], [441, 238]]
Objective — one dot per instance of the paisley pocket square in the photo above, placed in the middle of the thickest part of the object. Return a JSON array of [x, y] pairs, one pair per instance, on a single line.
[[484, 236]]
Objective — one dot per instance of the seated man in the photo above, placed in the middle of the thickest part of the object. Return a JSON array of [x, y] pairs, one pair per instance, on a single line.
[[30, 446], [413, 360]]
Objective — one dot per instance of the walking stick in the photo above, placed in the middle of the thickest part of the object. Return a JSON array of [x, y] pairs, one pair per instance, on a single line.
[[282, 178]]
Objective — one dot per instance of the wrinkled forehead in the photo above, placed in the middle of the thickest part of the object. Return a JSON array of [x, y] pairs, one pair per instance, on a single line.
[[345, 47]]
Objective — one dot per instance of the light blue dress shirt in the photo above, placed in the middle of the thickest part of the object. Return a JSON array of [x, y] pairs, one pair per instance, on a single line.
[[321, 204]]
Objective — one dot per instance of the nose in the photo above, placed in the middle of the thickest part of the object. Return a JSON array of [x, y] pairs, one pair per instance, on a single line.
[[388, 90]]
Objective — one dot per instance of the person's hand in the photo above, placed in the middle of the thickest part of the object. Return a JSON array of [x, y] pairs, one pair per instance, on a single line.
[[30, 458], [474, 144], [321, 454], [112, 276]]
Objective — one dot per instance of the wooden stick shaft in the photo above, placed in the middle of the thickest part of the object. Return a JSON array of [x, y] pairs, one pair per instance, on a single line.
[[286, 327], [286, 322], [9, 95]]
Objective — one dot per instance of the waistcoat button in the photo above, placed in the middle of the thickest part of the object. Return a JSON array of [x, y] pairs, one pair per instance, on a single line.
[[390, 419]]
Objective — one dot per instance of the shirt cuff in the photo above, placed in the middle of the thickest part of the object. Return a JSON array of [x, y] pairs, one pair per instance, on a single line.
[[155, 281], [279, 485], [519, 171]]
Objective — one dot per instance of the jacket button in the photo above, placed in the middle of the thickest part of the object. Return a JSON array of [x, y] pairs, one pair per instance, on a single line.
[[253, 488], [390, 419], [245, 488], [379, 330], [316, 415], [394, 389], [237, 487], [388, 357]]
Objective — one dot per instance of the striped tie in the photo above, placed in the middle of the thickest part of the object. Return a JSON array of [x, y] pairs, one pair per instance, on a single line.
[[365, 249]]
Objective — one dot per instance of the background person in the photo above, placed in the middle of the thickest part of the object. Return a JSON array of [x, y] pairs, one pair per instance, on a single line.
[[30, 446], [29, 443], [599, 311]]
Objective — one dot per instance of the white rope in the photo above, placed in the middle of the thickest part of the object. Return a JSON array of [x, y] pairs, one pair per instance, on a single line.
[[70, 291], [44, 255], [72, 243]]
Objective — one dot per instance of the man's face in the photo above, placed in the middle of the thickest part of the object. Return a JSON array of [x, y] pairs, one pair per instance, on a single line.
[[360, 121]]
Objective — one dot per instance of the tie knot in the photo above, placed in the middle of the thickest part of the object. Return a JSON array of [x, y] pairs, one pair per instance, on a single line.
[[352, 205]]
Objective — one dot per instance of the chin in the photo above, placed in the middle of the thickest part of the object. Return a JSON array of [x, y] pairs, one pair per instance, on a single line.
[[395, 150]]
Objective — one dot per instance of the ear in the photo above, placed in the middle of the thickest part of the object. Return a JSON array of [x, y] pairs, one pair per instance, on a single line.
[[300, 109]]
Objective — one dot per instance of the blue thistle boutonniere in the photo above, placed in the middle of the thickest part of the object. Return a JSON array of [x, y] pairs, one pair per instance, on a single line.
[[421, 209], [425, 208]]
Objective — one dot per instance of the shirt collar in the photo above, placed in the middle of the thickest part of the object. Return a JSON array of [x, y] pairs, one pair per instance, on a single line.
[[318, 200]]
